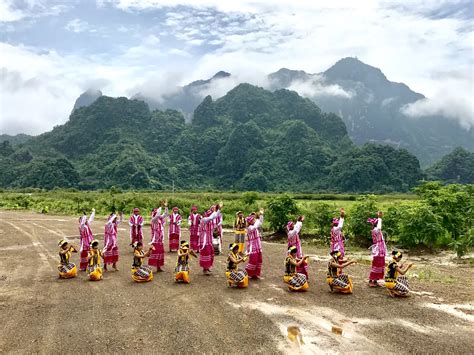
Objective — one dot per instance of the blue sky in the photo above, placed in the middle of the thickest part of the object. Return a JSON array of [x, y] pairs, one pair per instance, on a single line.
[[51, 51]]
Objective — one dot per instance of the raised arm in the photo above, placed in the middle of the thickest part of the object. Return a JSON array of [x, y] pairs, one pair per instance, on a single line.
[[91, 218], [157, 215], [341, 223]]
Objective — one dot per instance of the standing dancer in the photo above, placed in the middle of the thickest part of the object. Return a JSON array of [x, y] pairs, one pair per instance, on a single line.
[[111, 253], [293, 231], [217, 233], [254, 245], [67, 270], [174, 231], [136, 226], [158, 221], [337, 239], [239, 230], [86, 238], [379, 250], [206, 254], [193, 222]]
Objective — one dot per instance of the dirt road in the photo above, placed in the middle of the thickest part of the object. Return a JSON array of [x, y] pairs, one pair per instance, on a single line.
[[40, 313]]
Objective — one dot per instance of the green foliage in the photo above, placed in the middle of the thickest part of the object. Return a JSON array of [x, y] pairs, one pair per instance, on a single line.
[[249, 197], [419, 226], [280, 210], [322, 215], [358, 227], [463, 244]]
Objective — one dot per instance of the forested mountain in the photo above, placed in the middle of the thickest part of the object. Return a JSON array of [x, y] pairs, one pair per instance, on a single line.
[[456, 167], [249, 139], [184, 99], [370, 105], [372, 108], [16, 139], [87, 98]]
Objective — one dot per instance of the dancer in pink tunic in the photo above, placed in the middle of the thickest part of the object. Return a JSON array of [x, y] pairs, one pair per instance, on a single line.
[[86, 238], [174, 231], [379, 251], [193, 221], [136, 226], [293, 230], [337, 238], [206, 253], [254, 245], [158, 221], [111, 252]]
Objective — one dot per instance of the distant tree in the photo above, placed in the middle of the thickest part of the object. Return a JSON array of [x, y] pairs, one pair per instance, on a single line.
[[279, 211]]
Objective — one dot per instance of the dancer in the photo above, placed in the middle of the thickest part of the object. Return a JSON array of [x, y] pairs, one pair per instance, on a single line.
[[111, 252], [182, 264], [336, 279], [193, 223], [293, 231], [136, 225], [174, 231], [294, 280], [254, 245], [379, 250], [158, 221], [140, 272], [236, 277], [206, 253], [94, 269], [239, 230], [397, 285], [86, 238], [67, 270], [217, 233], [337, 239]]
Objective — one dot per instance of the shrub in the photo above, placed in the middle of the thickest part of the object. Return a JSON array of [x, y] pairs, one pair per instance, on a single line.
[[249, 198], [280, 210], [358, 227]]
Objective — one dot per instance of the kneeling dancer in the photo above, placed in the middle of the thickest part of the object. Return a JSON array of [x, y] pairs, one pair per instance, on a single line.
[[396, 285], [294, 280], [336, 279], [236, 277], [94, 269], [140, 272], [182, 264], [66, 269]]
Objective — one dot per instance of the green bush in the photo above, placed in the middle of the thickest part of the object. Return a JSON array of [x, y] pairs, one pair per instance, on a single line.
[[358, 227], [249, 197], [280, 210]]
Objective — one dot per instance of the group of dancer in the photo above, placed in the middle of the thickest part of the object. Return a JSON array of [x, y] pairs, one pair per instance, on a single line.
[[206, 240]]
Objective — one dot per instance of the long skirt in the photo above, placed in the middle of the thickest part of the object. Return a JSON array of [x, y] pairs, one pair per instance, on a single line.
[[95, 273], [206, 257], [137, 238], [157, 257], [181, 274], [240, 241], [296, 282], [338, 245], [399, 287], [254, 266], [67, 271], [194, 242], [111, 255], [342, 283], [378, 268], [142, 274], [237, 278], [83, 259], [173, 242]]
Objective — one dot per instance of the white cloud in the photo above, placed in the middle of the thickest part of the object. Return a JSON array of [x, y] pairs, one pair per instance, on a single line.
[[11, 12], [454, 100], [316, 87], [77, 25]]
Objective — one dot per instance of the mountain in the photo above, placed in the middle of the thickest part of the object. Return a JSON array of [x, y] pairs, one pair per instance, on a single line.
[[249, 139], [455, 167], [87, 98], [184, 99], [16, 139], [372, 108]]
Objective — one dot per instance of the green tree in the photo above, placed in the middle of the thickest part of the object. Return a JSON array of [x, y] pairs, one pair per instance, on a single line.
[[358, 227], [279, 211]]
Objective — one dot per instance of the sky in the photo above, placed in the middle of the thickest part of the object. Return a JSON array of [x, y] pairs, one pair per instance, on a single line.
[[52, 51]]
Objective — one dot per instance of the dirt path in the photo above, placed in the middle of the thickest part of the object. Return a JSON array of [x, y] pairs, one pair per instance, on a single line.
[[40, 313]]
